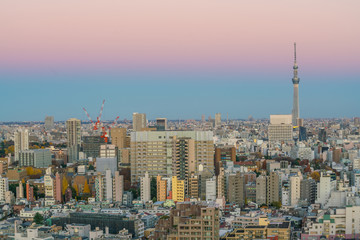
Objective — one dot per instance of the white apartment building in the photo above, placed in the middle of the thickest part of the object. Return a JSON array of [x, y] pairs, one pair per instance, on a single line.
[[4, 187], [21, 142], [145, 188]]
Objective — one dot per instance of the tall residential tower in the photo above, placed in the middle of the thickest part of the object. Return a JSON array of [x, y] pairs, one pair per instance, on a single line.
[[295, 80]]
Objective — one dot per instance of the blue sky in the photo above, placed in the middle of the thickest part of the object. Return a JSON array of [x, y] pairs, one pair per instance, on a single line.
[[175, 95]]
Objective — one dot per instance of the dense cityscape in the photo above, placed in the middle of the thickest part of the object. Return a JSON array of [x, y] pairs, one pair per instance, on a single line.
[[179, 120], [214, 178]]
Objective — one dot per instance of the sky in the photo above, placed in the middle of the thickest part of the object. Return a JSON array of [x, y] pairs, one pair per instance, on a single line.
[[177, 59]]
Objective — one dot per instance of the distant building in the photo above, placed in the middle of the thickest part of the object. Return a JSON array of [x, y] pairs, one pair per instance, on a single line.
[[161, 124], [302, 134], [217, 119], [322, 135], [49, 123], [73, 131], [139, 121], [38, 158]]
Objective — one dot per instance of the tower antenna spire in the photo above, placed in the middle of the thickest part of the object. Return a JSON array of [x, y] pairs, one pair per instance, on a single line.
[[294, 51]]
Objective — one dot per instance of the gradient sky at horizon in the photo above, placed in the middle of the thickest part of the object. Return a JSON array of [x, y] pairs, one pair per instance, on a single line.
[[177, 59]]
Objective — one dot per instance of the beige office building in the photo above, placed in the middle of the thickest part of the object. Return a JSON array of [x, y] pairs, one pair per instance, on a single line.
[[118, 137], [280, 128], [158, 152], [139, 121]]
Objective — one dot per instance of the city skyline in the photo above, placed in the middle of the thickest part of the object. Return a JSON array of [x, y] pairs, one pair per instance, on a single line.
[[205, 58]]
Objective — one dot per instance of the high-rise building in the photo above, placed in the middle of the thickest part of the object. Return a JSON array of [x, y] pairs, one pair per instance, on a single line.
[[273, 188], [139, 121], [73, 131], [20, 191], [322, 135], [308, 191], [38, 158], [99, 187], [294, 190], [236, 189], [224, 154], [324, 188], [211, 189], [158, 153], [193, 187], [217, 119], [280, 128], [118, 187], [178, 189], [302, 134], [4, 187], [49, 122], [58, 187], [183, 159], [145, 193], [357, 121], [161, 185], [161, 124], [21, 142], [49, 188], [91, 145], [118, 137], [108, 185], [29, 192], [295, 80]]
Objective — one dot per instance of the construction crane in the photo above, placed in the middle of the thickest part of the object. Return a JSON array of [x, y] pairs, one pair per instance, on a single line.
[[104, 134], [98, 119], [87, 114]]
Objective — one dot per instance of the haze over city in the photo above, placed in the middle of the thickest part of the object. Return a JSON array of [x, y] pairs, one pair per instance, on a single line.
[[177, 59]]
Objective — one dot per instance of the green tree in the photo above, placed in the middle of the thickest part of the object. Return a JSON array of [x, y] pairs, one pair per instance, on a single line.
[[153, 188], [135, 192], [38, 218], [91, 167], [276, 204]]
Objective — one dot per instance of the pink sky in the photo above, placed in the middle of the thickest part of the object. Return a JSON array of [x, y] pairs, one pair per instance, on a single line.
[[185, 34]]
